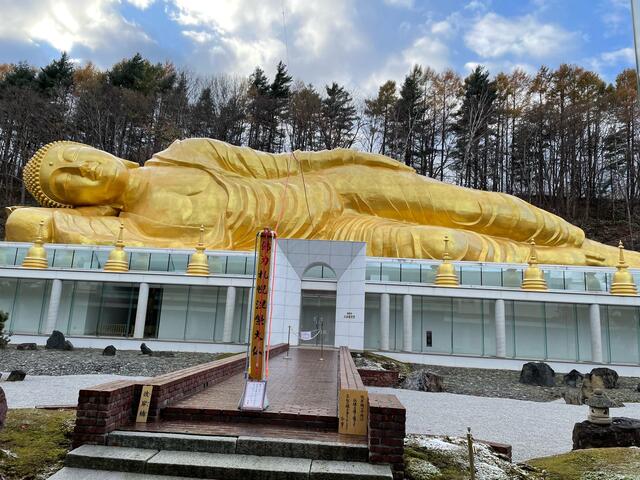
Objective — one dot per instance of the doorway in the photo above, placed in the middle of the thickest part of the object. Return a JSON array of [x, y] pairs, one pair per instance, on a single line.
[[318, 316]]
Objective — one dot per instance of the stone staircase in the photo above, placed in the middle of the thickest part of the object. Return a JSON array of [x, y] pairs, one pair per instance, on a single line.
[[131, 455]]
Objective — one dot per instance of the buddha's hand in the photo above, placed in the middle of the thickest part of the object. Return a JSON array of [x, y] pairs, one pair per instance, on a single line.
[[23, 223]]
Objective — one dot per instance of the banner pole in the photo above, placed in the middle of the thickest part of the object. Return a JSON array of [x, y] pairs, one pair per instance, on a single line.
[[321, 338], [286, 357]]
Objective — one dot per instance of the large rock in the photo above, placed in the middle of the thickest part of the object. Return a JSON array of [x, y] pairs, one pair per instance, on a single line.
[[609, 377], [572, 378], [56, 341], [16, 376], [68, 345], [27, 346], [3, 408], [537, 373], [623, 432], [424, 381], [109, 351], [572, 396], [145, 350]]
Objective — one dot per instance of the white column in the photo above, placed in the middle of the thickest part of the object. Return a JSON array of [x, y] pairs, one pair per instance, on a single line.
[[54, 306], [407, 323], [596, 333], [501, 333], [384, 321], [229, 310], [141, 310]]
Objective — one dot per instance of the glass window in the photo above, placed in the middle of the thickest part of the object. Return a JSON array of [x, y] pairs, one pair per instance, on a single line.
[[428, 273], [20, 254], [64, 310], [372, 321], [510, 331], [623, 334], [251, 266], [30, 306], [512, 277], [562, 331], [574, 280], [416, 330], [374, 271], [117, 310], [313, 272], [62, 258], [470, 276], [173, 312], [217, 265], [8, 287], [240, 315], [467, 325], [236, 265], [205, 306], [410, 272], [584, 333], [391, 272], [178, 262], [604, 330], [139, 261], [8, 256], [596, 281], [159, 262], [436, 324], [82, 259], [491, 277], [99, 259], [395, 322], [85, 308], [555, 279], [489, 327], [529, 330]]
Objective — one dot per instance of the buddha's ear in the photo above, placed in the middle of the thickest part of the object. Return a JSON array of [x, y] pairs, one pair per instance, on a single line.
[[130, 165]]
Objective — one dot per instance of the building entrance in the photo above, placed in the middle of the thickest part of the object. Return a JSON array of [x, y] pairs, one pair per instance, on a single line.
[[318, 316]]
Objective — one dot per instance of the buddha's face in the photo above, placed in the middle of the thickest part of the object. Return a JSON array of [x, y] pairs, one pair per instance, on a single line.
[[76, 174]]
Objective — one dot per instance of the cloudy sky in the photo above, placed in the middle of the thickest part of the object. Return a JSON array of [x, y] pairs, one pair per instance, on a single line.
[[359, 43]]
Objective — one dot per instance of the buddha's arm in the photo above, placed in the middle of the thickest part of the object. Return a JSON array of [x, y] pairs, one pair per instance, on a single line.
[[63, 225]]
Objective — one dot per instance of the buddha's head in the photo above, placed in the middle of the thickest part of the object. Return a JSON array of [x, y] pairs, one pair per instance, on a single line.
[[67, 174]]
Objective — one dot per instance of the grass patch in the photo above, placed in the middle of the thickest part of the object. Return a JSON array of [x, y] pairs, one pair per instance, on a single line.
[[592, 464], [33, 442], [448, 467]]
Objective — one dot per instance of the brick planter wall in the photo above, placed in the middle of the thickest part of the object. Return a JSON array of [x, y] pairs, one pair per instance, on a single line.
[[387, 418], [104, 408], [378, 378]]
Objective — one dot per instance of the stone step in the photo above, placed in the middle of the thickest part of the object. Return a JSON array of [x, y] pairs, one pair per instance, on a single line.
[[217, 465], [68, 473], [244, 445]]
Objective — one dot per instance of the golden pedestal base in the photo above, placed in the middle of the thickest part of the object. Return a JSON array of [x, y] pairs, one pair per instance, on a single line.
[[35, 262], [116, 266]]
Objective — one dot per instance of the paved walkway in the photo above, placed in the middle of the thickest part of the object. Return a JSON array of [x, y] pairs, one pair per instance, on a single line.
[[533, 429], [301, 385]]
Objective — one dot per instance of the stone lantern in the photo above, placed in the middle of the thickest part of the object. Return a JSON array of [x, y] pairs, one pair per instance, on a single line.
[[599, 405]]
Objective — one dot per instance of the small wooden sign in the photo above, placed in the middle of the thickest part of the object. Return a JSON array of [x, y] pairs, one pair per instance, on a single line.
[[352, 412], [145, 403]]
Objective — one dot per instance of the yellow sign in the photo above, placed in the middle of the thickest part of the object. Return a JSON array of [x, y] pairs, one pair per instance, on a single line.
[[352, 412], [145, 402], [257, 344]]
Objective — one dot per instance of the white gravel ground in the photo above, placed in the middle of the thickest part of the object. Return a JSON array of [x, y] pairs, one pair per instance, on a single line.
[[46, 390], [533, 429]]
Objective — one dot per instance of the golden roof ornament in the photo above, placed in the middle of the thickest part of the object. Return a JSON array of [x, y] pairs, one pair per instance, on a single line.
[[198, 262], [622, 282], [37, 255], [118, 261], [533, 277], [446, 274]]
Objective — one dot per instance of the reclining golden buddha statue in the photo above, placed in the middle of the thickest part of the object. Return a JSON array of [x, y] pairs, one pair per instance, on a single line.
[[340, 194]]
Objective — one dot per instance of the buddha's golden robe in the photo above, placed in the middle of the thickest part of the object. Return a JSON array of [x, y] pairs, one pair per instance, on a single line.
[[329, 195]]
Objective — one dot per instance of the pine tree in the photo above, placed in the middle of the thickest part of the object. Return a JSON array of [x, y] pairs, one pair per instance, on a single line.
[[338, 117], [57, 76]]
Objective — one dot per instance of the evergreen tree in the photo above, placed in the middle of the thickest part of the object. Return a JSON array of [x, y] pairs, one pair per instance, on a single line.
[[258, 94], [56, 77], [338, 117], [382, 113], [279, 93]]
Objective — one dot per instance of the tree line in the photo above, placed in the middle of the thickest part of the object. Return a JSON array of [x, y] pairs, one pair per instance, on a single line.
[[563, 139]]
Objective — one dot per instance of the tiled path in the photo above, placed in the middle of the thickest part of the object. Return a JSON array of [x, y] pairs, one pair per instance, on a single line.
[[301, 385]]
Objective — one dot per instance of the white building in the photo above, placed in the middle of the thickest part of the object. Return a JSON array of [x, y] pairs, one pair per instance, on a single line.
[[386, 304]]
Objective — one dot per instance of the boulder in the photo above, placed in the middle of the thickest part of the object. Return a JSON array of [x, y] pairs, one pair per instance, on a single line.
[[56, 341], [623, 432], [571, 379], [3, 408], [609, 377], [572, 397], [537, 373], [27, 346], [109, 351], [16, 376], [589, 384], [145, 350], [424, 381], [68, 345], [638, 388]]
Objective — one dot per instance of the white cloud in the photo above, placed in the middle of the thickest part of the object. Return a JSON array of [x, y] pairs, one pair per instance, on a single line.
[[141, 4], [65, 24], [493, 36], [442, 28], [400, 3], [623, 55], [426, 51]]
